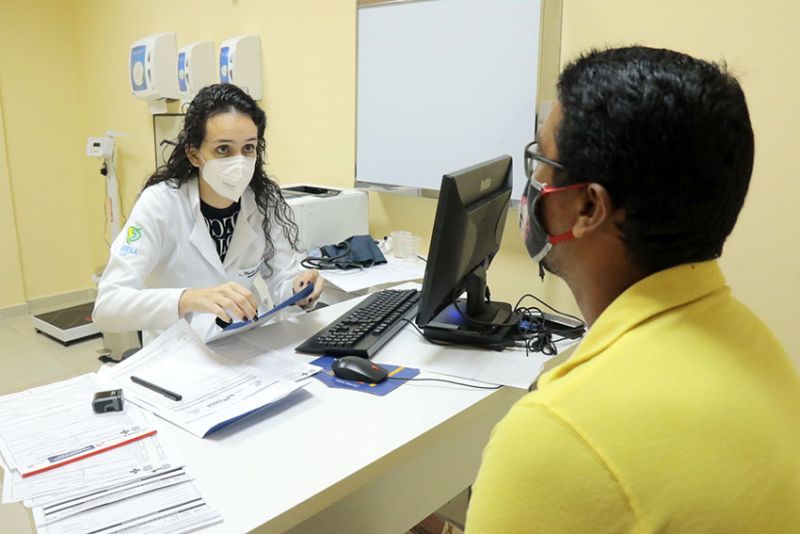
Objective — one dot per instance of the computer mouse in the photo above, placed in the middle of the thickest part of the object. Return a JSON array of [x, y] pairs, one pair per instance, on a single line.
[[357, 368]]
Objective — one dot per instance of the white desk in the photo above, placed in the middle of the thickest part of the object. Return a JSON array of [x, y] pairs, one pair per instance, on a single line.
[[333, 460]]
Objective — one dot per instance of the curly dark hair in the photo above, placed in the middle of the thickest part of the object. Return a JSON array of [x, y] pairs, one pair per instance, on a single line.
[[669, 136], [225, 98]]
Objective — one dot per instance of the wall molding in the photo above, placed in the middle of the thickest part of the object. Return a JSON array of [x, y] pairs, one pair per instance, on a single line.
[[49, 303], [16, 310]]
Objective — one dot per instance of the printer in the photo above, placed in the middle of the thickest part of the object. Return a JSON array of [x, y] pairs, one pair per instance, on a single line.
[[327, 215]]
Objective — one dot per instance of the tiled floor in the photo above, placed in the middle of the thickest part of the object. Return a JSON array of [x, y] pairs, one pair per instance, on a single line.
[[29, 359]]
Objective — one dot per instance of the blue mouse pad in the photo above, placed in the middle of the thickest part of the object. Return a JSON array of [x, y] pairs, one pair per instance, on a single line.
[[395, 371]]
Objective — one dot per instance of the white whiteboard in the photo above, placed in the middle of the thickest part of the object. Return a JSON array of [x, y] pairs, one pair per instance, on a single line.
[[442, 85]]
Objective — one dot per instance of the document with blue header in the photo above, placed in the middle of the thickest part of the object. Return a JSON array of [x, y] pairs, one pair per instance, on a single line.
[[243, 326], [214, 391], [44, 428]]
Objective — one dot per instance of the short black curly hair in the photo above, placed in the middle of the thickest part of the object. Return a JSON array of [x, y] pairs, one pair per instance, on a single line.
[[669, 136]]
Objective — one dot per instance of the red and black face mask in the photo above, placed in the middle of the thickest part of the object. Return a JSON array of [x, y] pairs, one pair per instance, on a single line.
[[537, 241]]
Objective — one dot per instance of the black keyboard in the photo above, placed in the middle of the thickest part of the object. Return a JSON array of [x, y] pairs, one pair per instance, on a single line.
[[366, 327]]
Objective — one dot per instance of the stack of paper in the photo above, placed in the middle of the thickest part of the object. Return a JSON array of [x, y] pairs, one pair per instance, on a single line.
[[163, 502], [392, 272], [255, 352], [195, 388], [82, 472], [50, 426]]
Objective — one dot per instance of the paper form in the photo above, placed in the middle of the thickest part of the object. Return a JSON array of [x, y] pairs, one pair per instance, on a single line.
[[141, 457], [235, 329], [280, 363], [52, 425], [170, 509], [214, 389], [103, 496], [393, 271]]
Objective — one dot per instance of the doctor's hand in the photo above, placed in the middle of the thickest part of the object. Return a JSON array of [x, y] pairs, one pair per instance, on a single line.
[[302, 280], [228, 301]]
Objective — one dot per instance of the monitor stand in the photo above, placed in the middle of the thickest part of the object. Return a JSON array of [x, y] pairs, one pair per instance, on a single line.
[[487, 324]]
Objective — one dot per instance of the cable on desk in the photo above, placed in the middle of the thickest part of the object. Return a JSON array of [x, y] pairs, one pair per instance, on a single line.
[[443, 380], [409, 321], [527, 295], [535, 336], [432, 341], [536, 341]]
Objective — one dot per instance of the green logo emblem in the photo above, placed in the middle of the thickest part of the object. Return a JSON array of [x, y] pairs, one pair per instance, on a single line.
[[134, 234]]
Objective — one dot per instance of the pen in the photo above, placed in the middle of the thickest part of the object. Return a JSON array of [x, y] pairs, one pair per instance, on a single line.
[[158, 389]]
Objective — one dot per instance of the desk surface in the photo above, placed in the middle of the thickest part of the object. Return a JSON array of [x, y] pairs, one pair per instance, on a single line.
[[343, 461]]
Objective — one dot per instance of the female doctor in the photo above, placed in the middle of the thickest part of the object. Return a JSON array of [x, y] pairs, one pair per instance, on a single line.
[[206, 224]]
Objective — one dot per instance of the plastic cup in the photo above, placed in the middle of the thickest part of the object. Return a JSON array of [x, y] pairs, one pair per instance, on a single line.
[[410, 246], [399, 243]]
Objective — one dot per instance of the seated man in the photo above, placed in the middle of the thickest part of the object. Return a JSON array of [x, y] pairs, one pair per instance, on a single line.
[[679, 411]]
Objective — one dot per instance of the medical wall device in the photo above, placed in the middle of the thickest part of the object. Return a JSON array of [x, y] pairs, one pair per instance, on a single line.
[[103, 148], [75, 322], [154, 70], [196, 68], [240, 63], [100, 147]]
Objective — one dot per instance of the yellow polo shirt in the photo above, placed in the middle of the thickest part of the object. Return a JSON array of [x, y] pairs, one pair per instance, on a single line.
[[679, 412]]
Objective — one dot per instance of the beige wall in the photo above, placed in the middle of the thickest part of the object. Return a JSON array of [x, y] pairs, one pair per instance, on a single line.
[[41, 118], [308, 49], [63, 77], [71, 82], [11, 283], [761, 44]]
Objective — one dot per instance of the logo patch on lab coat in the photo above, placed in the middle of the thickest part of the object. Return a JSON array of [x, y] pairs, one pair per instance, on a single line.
[[134, 234], [127, 250]]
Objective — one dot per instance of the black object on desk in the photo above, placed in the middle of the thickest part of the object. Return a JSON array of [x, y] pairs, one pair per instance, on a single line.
[[367, 327], [158, 389], [360, 369], [108, 401]]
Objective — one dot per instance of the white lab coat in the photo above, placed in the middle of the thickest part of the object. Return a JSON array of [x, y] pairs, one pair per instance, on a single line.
[[165, 248]]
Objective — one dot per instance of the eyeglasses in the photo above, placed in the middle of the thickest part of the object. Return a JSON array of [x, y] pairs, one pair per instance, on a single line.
[[533, 157]]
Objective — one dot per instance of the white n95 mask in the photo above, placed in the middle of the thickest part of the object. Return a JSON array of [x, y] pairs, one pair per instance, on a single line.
[[229, 176]]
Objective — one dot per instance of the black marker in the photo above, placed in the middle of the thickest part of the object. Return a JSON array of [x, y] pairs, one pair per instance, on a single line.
[[158, 389]]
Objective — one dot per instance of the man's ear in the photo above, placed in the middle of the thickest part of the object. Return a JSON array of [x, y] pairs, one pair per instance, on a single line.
[[595, 210], [192, 154]]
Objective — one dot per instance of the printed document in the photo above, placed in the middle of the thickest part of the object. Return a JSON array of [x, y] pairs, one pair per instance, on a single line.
[[243, 326], [280, 362], [135, 459], [54, 425], [214, 390], [394, 271], [168, 503]]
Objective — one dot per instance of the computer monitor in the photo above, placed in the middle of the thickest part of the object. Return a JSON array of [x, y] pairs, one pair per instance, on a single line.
[[467, 231]]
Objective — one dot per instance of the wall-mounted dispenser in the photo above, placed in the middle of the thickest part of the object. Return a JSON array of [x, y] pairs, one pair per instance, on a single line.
[[196, 68], [240, 63], [154, 70]]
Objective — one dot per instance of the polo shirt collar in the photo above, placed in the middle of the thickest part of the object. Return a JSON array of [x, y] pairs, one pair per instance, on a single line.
[[646, 298]]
